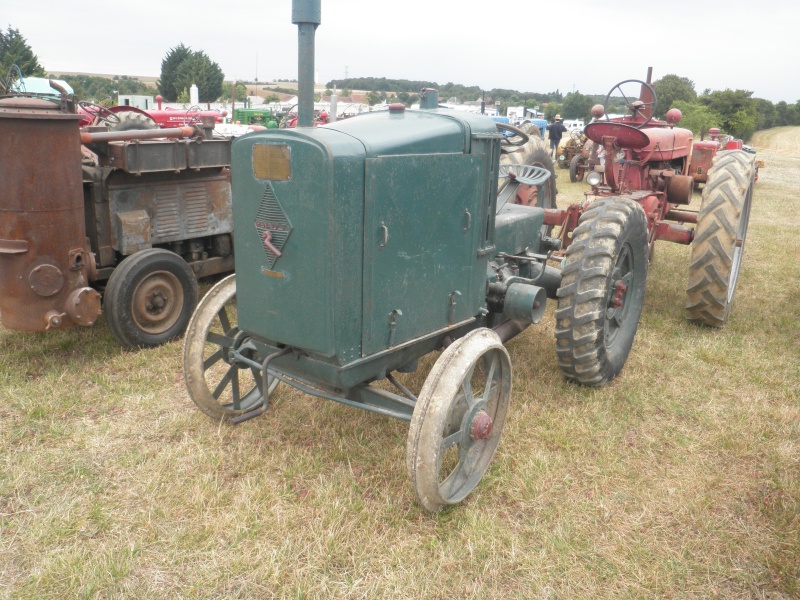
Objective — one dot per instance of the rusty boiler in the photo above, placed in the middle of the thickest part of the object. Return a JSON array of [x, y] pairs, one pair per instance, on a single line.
[[44, 265]]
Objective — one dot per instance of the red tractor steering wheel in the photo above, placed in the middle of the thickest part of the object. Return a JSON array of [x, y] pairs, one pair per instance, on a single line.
[[636, 106]]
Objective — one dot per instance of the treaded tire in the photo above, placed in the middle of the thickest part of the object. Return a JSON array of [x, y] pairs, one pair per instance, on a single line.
[[602, 291], [575, 173], [719, 238], [130, 120], [150, 298]]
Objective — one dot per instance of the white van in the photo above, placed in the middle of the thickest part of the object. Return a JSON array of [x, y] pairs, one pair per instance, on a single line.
[[572, 124]]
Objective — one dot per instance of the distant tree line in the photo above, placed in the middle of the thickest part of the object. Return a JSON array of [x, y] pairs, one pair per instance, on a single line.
[[100, 89], [736, 112]]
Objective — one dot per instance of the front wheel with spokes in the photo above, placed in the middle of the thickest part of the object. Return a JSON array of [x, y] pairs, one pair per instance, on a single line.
[[218, 384], [458, 419]]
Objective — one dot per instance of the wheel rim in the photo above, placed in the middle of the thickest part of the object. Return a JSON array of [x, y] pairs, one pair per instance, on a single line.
[[738, 249], [157, 302], [468, 439], [458, 419], [217, 384], [617, 305]]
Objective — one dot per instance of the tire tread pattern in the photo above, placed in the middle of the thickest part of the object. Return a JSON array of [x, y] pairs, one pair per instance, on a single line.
[[712, 269]]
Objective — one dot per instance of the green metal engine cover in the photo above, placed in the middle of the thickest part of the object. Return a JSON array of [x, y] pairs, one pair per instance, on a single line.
[[366, 234]]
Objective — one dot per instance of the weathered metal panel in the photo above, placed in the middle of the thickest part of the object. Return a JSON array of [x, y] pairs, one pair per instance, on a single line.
[[309, 296], [517, 228], [146, 157], [43, 261], [421, 226], [208, 153], [178, 207]]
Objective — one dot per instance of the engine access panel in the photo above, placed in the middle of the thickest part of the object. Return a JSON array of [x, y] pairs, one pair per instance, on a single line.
[[366, 234]]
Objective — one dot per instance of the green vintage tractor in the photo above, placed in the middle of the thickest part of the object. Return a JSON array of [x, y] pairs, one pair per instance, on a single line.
[[363, 245]]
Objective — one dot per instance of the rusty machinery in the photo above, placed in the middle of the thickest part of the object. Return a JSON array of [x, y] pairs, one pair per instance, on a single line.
[[640, 193], [86, 211]]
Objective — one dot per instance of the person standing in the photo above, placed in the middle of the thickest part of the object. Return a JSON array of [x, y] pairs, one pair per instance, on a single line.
[[555, 130]]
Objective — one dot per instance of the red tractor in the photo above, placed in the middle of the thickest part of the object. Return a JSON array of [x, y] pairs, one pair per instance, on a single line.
[[640, 192], [126, 118], [704, 151]]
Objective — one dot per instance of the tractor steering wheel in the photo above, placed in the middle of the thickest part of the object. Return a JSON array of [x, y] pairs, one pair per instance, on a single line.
[[635, 106], [192, 115], [98, 112], [576, 134], [520, 138]]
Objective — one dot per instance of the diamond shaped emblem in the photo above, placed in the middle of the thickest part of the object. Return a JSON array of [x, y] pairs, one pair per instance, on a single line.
[[272, 225]]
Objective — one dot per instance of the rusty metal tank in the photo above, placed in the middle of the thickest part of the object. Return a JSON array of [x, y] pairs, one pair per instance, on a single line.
[[44, 265]]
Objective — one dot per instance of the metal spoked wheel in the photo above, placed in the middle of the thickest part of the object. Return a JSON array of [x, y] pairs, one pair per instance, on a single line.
[[458, 419], [217, 384]]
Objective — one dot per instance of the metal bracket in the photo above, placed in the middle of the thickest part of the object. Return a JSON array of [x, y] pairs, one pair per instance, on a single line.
[[393, 324], [451, 306]]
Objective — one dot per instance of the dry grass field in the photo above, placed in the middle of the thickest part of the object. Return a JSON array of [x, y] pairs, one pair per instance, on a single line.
[[681, 479]]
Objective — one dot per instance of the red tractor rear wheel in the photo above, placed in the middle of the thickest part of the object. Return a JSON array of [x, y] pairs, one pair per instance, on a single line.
[[719, 238]]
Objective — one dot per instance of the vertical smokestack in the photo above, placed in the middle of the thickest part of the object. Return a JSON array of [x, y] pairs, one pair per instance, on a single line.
[[306, 14], [646, 96]]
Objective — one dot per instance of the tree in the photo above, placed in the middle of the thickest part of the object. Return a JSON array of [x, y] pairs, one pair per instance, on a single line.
[[766, 113], [551, 110], [14, 50], [168, 85], [200, 70], [786, 114], [738, 111], [672, 88], [697, 118], [227, 88], [576, 106], [183, 97], [373, 98]]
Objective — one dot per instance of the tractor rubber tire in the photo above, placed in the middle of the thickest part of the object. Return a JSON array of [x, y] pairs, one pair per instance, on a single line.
[[130, 120], [540, 157], [719, 238], [150, 298], [602, 291], [575, 172]]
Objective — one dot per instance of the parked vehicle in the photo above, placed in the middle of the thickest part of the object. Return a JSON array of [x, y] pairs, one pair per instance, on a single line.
[[135, 216]]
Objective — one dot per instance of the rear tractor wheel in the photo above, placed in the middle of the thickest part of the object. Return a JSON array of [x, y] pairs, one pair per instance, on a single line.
[[602, 291], [131, 120], [719, 238]]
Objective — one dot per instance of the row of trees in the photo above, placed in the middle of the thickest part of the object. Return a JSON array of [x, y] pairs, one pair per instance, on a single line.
[[734, 111]]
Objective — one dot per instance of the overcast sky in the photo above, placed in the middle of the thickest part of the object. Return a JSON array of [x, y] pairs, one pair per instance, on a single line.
[[584, 45]]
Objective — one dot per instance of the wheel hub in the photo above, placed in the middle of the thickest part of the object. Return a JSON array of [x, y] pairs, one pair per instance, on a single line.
[[619, 294], [481, 427], [157, 302]]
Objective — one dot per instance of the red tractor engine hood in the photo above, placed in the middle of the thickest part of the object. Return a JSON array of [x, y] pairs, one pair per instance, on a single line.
[[658, 143]]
